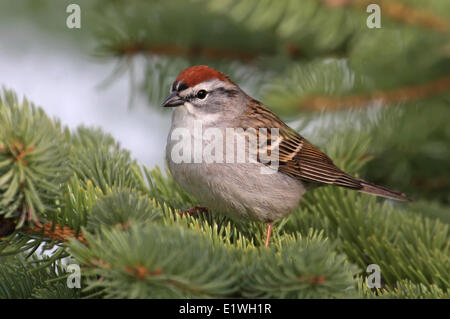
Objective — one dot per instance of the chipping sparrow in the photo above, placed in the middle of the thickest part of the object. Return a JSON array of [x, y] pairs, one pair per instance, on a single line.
[[202, 95]]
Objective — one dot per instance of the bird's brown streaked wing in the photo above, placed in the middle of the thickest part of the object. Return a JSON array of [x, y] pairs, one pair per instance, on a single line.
[[297, 157], [310, 164]]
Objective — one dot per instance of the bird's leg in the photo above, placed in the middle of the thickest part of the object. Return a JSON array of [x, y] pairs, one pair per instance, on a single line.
[[269, 232], [194, 210]]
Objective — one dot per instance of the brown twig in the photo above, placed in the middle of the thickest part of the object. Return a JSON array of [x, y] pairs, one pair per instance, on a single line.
[[398, 95], [57, 233], [195, 51], [398, 11]]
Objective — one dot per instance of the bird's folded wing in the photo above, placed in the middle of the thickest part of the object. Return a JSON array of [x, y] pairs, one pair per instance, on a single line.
[[300, 159], [297, 157]]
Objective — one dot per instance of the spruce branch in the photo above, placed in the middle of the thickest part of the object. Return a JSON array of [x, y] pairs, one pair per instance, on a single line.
[[399, 11], [22, 278], [295, 25], [389, 97], [211, 53], [309, 87], [97, 158], [303, 268], [123, 208], [398, 241], [404, 289], [153, 260], [409, 150], [33, 161], [125, 37]]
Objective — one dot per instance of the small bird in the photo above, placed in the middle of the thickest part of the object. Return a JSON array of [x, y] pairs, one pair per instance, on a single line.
[[203, 95]]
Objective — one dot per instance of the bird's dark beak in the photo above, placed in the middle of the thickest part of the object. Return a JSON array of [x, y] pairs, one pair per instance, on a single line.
[[173, 100]]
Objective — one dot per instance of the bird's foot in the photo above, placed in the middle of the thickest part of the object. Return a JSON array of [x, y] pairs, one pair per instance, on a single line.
[[194, 210]]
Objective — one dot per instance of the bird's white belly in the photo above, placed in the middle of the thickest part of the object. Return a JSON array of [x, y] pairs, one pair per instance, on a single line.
[[238, 190]]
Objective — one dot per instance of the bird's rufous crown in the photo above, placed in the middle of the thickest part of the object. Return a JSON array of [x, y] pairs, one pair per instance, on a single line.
[[194, 75]]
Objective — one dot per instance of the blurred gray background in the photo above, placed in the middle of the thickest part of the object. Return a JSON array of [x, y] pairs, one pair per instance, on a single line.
[[53, 66]]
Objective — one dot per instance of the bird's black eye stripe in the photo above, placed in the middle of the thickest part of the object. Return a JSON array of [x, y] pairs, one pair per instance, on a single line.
[[201, 94], [179, 86], [182, 86]]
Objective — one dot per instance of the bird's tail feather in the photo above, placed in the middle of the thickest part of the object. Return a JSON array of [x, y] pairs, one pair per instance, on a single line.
[[377, 190]]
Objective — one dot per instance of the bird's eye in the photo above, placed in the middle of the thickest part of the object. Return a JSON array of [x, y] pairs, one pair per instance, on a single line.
[[201, 94]]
